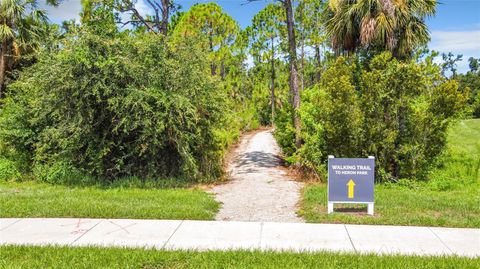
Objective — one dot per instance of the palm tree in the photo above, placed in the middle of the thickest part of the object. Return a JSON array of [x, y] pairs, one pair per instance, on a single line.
[[394, 25], [21, 27]]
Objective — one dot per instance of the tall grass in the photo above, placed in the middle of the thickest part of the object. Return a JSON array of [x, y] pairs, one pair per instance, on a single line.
[[459, 166]]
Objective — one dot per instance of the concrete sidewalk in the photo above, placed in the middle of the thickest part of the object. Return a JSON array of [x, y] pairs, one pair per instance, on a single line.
[[221, 235]]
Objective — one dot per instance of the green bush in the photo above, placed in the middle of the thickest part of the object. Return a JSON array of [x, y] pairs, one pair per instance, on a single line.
[[337, 109], [8, 170], [61, 173], [285, 131], [398, 112], [476, 107], [117, 107]]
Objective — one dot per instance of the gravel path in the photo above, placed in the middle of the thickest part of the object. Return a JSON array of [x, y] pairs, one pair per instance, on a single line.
[[259, 188]]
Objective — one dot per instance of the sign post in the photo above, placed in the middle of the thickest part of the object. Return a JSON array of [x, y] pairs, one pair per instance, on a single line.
[[351, 181]]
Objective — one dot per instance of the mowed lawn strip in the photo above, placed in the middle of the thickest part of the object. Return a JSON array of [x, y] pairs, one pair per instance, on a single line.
[[30, 199], [64, 257], [399, 206]]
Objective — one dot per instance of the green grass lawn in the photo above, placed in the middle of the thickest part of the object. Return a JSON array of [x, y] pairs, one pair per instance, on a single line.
[[451, 198], [400, 206], [460, 165], [63, 257], [30, 199], [464, 136]]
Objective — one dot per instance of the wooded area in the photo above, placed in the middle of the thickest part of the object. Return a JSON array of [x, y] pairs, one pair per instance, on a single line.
[[120, 94]]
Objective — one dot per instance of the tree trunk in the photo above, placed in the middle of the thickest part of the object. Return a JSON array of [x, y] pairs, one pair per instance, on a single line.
[[272, 97], [3, 62], [165, 13], [318, 59], [302, 54], [222, 69], [302, 65], [293, 82]]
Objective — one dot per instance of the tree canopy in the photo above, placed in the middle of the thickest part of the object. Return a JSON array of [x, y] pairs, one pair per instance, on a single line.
[[121, 93], [22, 28], [396, 26]]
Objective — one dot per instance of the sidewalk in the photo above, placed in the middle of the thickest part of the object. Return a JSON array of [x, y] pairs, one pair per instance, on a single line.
[[220, 235]]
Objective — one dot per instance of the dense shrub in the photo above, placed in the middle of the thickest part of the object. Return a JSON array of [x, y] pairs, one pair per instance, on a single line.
[[471, 81], [476, 107], [284, 130], [116, 107], [61, 172], [398, 112], [8, 170]]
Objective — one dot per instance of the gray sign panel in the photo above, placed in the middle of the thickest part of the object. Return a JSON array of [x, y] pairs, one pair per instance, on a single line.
[[351, 179]]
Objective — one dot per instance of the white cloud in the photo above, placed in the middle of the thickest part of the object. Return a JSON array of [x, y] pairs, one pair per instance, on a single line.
[[466, 43], [249, 61], [67, 10], [143, 8], [70, 9], [456, 41]]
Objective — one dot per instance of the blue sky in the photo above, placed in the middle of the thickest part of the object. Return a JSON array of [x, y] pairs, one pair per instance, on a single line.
[[455, 28]]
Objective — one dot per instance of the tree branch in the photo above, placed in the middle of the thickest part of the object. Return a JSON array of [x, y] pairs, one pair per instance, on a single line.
[[140, 17], [157, 15], [134, 21]]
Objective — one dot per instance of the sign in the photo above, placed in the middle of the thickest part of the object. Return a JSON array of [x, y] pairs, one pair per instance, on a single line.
[[351, 180]]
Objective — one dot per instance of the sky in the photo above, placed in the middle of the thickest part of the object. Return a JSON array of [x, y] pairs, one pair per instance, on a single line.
[[455, 27]]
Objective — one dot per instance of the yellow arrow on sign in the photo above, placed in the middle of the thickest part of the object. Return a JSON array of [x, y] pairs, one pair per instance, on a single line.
[[351, 188]]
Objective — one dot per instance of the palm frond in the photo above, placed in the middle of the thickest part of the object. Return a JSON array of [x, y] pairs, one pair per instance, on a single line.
[[6, 32]]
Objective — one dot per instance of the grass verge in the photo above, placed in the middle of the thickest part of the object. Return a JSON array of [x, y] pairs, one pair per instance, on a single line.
[[397, 205], [31, 199], [64, 257]]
